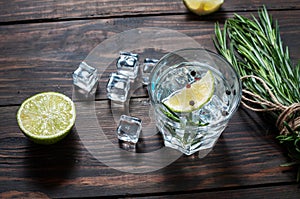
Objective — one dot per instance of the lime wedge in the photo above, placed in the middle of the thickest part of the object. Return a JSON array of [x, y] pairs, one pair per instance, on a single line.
[[203, 7], [47, 117], [193, 96]]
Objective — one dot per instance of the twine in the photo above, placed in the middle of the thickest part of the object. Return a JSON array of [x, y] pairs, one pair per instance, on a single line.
[[288, 114]]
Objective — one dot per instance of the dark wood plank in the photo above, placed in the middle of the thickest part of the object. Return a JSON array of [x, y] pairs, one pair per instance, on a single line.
[[16, 10], [43, 42], [282, 191], [42, 57], [247, 154]]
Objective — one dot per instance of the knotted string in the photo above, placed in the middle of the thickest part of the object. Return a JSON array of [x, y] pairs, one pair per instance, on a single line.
[[289, 114]]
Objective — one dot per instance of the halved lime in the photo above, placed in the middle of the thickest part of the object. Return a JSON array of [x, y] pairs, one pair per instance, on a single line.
[[193, 96], [47, 117], [203, 7]]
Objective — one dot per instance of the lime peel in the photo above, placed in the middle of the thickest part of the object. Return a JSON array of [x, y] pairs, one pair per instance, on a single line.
[[193, 96], [47, 117]]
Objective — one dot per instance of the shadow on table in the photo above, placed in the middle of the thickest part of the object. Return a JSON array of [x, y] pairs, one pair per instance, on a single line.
[[217, 169], [51, 165]]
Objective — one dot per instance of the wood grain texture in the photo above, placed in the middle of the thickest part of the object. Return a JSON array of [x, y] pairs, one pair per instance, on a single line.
[[42, 57], [43, 42], [17, 10], [246, 155], [286, 191]]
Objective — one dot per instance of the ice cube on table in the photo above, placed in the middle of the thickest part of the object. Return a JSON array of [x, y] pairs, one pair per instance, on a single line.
[[85, 77], [147, 68], [129, 128], [127, 64], [118, 87]]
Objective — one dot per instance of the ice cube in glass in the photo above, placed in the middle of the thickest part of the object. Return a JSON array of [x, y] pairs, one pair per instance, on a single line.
[[118, 87], [85, 77], [127, 64], [129, 128], [147, 68]]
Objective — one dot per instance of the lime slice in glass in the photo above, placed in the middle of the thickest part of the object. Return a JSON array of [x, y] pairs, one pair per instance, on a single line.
[[47, 117], [203, 7], [193, 96]]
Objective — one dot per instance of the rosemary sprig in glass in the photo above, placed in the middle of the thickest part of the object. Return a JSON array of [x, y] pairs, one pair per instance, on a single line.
[[254, 47]]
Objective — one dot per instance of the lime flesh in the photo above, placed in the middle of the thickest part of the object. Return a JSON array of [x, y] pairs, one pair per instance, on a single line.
[[46, 117], [193, 96]]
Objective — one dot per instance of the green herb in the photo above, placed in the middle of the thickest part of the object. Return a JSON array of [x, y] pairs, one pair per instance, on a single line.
[[254, 47]]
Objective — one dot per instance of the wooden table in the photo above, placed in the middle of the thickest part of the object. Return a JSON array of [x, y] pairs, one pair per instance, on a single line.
[[43, 42]]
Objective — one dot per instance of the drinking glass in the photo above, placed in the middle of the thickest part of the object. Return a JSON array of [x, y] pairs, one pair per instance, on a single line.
[[199, 129]]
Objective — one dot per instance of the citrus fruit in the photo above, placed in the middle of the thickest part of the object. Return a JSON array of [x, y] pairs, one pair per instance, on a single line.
[[47, 117], [193, 96], [203, 7]]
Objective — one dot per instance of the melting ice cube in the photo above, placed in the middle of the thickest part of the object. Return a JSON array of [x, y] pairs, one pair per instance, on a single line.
[[85, 77], [147, 68], [129, 128], [118, 87], [127, 64]]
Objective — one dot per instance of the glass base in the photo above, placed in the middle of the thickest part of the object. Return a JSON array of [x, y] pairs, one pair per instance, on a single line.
[[190, 141], [202, 152]]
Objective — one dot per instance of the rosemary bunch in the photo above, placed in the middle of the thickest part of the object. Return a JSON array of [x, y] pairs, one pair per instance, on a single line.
[[254, 47]]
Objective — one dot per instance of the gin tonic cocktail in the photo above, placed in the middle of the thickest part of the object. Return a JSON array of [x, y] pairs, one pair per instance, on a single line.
[[194, 93]]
